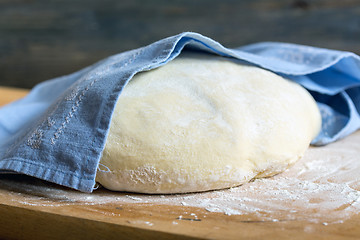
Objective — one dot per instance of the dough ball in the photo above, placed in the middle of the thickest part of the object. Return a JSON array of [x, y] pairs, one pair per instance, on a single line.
[[203, 122]]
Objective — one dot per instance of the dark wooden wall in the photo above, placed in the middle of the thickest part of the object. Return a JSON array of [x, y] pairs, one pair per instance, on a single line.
[[42, 39]]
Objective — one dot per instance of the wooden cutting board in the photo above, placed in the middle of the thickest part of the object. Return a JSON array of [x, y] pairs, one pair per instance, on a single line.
[[33, 209]]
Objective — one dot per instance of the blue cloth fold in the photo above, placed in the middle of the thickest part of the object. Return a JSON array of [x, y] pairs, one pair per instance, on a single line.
[[57, 133]]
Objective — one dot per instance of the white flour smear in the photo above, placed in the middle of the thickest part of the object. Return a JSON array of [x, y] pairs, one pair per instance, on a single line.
[[324, 186]]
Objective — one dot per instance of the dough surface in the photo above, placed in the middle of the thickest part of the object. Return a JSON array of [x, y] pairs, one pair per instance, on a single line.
[[203, 122]]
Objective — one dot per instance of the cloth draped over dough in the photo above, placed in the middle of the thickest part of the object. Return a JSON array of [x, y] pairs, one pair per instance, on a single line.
[[58, 131]]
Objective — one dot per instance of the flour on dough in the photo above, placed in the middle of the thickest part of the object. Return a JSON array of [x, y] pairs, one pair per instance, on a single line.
[[204, 122]]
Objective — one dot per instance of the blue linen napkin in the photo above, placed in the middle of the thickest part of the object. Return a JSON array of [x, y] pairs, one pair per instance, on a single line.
[[57, 133]]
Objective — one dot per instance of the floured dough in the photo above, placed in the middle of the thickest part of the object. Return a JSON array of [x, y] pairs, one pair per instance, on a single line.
[[203, 122]]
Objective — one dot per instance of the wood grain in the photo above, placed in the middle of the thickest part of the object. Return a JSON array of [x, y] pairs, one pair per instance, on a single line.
[[44, 39], [26, 216]]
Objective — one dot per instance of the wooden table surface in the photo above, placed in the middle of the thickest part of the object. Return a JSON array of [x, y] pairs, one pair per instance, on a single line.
[[26, 213]]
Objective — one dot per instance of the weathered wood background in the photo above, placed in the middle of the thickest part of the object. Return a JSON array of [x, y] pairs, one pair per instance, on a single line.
[[42, 39]]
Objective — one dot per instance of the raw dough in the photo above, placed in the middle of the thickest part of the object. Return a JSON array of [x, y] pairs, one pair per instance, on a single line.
[[203, 122]]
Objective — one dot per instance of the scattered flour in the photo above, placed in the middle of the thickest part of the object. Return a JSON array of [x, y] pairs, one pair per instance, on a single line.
[[323, 187]]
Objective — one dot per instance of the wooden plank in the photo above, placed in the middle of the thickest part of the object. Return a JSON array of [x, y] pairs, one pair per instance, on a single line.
[[43, 220], [20, 223]]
